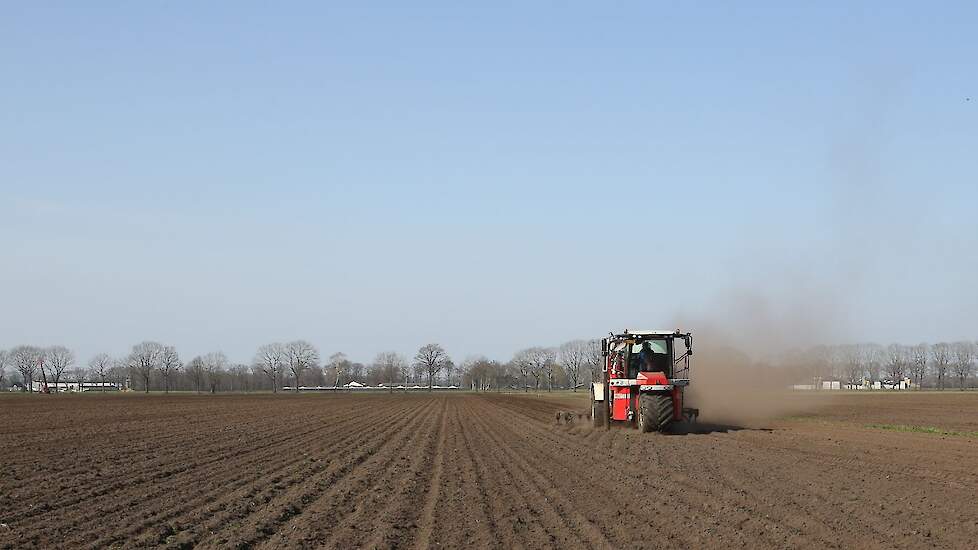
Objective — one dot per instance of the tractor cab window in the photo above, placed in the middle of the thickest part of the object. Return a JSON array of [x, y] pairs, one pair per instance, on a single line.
[[658, 346], [655, 358]]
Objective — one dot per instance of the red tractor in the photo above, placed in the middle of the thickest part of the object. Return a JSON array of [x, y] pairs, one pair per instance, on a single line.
[[643, 380]]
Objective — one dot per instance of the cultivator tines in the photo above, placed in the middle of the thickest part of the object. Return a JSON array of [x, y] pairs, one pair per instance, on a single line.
[[569, 417]]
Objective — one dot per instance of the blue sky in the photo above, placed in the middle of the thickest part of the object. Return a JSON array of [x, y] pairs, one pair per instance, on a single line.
[[378, 177]]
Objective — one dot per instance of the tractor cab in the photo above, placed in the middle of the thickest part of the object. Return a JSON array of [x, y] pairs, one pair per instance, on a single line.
[[650, 355], [643, 379]]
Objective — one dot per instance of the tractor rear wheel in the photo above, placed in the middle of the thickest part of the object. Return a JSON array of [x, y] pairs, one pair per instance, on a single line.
[[599, 413], [654, 412]]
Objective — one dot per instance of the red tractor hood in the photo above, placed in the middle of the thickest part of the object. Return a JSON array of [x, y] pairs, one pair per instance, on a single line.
[[652, 379]]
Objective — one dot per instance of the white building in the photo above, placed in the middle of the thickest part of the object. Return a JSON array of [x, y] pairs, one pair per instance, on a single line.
[[75, 386]]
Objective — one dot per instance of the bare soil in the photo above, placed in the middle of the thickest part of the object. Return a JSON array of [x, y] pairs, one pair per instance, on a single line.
[[422, 471]]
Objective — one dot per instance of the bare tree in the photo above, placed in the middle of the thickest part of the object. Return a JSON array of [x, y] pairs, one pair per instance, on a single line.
[[388, 365], [339, 366], [417, 371], [144, 359], [918, 362], [26, 359], [404, 370], [874, 357], [357, 371], [58, 359], [431, 359], [547, 361], [168, 364], [99, 367], [195, 368], [837, 363], [477, 372], [897, 362], [215, 365], [941, 358], [239, 373], [4, 359], [120, 373], [79, 374], [300, 355], [537, 362], [852, 357], [574, 358], [449, 369], [963, 360], [523, 363], [594, 359], [271, 360]]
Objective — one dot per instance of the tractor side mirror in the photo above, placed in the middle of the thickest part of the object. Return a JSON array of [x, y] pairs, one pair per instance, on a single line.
[[689, 344], [604, 347]]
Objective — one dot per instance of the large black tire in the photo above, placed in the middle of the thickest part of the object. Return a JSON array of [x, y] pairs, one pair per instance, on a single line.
[[654, 412], [599, 413]]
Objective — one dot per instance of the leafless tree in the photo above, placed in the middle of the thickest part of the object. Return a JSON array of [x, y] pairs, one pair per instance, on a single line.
[[918, 362], [417, 371], [215, 365], [195, 368], [431, 359], [168, 364], [239, 373], [594, 359], [874, 357], [388, 366], [897, 362], [449, 369], [120, 373], [523, 363], [4, 359], [537, 362], [26, 360], [547, 361], [144, 359], [80, 375], [574, 358], [339, 366], [271, 360], [99, 367], [963, 360], [404, 371], [941, 358], [478, 372], [300, 355], [58, 359], [852, 357], [837, 363], [357, 371]]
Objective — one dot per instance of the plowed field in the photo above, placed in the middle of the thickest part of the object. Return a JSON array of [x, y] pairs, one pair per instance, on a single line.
[[451, 471]]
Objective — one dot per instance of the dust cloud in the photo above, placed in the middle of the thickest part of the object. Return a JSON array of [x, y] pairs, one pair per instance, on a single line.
[[740, 372]]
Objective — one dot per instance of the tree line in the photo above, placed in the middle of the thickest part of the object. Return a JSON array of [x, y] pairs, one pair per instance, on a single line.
[[158, 367], [154, 366], [941, 365]]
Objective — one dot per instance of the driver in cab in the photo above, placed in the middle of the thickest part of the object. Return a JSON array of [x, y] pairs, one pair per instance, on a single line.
[[646, 358]]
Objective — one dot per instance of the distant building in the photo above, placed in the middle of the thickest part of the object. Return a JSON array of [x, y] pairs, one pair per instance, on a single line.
[[76, 386], [824, 384]]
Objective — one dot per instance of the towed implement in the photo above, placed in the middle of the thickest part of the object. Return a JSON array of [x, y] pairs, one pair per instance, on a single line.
[[643, 380]]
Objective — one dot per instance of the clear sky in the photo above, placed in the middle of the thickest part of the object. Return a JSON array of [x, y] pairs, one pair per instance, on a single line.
[[378, 176]]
